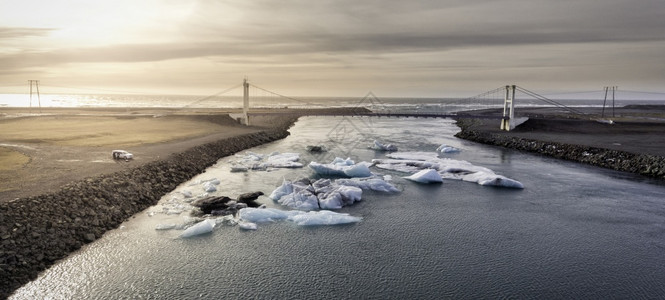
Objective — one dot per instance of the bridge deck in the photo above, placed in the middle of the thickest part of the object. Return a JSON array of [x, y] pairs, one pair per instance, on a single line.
[[388, 115]]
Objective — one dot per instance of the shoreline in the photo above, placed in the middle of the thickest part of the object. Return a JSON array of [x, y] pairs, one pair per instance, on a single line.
[[633, 144], [38, 228], [37, 231]]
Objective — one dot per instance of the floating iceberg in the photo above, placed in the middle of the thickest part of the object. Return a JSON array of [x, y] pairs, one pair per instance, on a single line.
[[321, 194], [426, 176], [415, 162], [199, 228], [255, 161], [263, 215], [323, 217], [447, 149], [381, 147], [247, 225], [421, 156], [342, 168], [375, 184], [165, 226], [335, 196], [491, 179], [209, 187]]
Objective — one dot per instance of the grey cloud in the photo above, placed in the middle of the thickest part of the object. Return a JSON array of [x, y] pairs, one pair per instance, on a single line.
[[20, 32]]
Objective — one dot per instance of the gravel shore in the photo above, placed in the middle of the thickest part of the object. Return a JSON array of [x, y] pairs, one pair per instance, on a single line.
[[633, 143]]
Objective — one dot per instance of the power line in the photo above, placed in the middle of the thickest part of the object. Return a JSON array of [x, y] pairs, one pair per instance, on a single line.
[[98, 90], [639, 92]]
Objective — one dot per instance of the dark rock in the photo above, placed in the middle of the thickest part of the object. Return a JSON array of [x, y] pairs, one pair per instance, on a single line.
[[317, 149], [207, 205], [249, 198]]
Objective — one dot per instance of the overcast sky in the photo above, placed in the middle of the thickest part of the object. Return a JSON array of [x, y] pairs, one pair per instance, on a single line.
[[434, 48]]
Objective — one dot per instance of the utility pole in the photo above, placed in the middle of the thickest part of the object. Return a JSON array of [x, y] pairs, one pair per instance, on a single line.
[[607, 89], [36, 83], [245, 100]]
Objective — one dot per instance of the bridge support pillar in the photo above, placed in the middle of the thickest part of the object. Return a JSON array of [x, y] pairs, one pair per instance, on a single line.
[[245, 101], [508, 108]]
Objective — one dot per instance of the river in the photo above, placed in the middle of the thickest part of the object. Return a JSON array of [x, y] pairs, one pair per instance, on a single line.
[[574, 231]]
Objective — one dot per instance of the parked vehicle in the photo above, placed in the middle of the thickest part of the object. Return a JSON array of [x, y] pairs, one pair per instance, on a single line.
[[122, 154]]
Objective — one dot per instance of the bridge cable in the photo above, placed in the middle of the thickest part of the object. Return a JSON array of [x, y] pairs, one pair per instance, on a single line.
[[211, 96], [290, 98], [550, 101]]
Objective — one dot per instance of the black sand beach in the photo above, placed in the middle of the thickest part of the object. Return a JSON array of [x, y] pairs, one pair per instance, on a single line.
[[634, 143]]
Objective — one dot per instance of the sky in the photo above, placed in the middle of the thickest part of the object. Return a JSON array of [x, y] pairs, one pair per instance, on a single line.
[[393, 48]]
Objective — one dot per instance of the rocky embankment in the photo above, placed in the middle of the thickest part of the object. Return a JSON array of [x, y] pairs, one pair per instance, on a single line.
[[37, 231], [644, 164]]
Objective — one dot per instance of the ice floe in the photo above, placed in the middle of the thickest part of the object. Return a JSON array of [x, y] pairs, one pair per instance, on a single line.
[[491, 179], [414, 162], [342, 168], [247, 225], [255, 161], [263, 215], [375, 184], [322, 217], [381, 147], [199, 228], [426, 176], [447, 149], [320, 194]]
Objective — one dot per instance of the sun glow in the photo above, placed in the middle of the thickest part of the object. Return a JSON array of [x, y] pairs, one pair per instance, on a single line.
[[81, 23]]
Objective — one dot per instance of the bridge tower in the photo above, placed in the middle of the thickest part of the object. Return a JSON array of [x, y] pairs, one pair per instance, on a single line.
[[245, 100], [508, 108]]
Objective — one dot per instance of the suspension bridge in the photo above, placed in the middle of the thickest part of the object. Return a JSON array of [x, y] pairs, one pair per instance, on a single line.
[[258, 101], [508, 120]]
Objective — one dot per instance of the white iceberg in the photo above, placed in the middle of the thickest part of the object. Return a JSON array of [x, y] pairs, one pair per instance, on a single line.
[[423, 156], [199, 228], [247, 225], [251, 216], [209, 187], [447, 149], [226, 220], [342, 168], [165, 226], [323, 217], [335, 196], [262, 215], [256, 161], [375, 184], [298, 194], [414, 162], [381, 147], [491, 179], [320, 194], [426, 176]]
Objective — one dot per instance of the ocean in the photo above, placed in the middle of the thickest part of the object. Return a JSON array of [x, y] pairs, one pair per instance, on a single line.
[[370, 100], [574, 231]]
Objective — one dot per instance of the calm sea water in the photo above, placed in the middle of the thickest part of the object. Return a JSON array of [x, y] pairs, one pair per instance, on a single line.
[[371, 101], [574, 232]]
